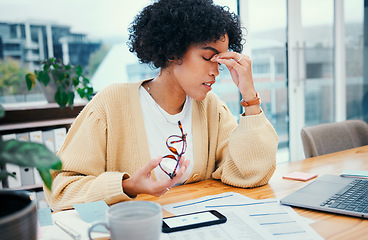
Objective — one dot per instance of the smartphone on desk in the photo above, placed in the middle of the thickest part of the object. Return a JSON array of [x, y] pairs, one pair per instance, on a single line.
[[192, 220]]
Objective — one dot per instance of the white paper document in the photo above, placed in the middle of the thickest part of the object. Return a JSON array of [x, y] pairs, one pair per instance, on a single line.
[[72, 220], [247, 219]]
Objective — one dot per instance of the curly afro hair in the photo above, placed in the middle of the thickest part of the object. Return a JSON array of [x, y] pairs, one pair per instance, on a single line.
[[164, 30]]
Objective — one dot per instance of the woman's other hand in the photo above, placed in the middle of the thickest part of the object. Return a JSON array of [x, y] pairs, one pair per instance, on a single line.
[[141, 181], [240, 67]]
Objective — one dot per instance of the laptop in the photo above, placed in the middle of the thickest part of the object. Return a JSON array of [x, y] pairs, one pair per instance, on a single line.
[[335, 194]]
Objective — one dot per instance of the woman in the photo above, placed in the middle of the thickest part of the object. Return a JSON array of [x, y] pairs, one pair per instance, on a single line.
[[173, 119]]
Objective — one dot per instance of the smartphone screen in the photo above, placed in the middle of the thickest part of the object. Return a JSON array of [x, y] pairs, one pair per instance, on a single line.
[[192, 220]]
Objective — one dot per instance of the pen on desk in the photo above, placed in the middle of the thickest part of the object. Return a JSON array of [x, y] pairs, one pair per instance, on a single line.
[[68, 230]]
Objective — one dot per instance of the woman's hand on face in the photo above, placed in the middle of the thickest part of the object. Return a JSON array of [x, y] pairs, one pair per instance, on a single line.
[[240, 68], [141, 181]]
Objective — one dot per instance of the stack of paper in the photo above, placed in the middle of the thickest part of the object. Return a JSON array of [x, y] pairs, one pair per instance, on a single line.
[[247, 219]]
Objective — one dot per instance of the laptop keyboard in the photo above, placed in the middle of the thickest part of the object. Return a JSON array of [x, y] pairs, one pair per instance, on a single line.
[[353, 197]]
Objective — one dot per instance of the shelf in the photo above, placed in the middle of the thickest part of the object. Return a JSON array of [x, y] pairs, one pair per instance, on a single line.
[[35, 188], [24, 118], [38, 124], [42, 117]]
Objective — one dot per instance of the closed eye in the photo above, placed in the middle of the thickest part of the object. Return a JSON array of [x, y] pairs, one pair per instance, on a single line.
[[208, 59]]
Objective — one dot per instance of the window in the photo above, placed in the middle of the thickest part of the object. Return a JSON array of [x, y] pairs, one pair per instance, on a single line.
[[266, 45], [354, 42], [293, 46], [92, 35]]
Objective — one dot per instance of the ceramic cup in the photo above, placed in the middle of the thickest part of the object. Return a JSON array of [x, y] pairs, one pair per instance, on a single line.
[[133, 220]]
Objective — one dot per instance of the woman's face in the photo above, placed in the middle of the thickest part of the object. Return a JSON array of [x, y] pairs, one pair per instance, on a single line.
[[195, 74]]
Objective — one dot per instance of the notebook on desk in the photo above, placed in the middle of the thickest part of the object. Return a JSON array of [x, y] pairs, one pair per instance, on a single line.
[[330, 193]]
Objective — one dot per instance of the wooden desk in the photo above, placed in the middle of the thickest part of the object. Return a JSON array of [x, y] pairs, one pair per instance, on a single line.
[[329, 226]]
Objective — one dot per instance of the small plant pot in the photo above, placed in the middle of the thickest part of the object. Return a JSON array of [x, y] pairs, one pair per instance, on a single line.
[[49, 91], [18, 216], [67, 79]]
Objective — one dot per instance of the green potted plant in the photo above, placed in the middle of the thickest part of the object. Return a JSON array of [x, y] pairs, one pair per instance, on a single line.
[[18, 214], [60, 81]]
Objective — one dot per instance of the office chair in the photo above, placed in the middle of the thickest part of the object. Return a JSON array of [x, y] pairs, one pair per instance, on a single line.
[[333, 137]]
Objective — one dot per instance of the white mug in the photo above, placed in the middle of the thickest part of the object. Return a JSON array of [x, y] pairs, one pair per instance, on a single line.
[[133, 220]]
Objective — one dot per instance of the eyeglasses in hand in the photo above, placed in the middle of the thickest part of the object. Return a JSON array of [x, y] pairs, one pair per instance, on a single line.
[[172, 161]]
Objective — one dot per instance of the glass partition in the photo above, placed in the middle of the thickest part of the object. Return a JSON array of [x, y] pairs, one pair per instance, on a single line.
[[317, 31], [354, 48], [266, 43]]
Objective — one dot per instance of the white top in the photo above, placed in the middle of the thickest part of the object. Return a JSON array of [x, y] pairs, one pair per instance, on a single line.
[[160, 125]]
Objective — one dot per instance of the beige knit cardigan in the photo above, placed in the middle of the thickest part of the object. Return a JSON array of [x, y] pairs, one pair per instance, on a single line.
[[107, 143]]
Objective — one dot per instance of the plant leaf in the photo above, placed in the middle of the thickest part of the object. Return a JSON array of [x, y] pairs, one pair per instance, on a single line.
[[62, 77], [79, 70], [89, 91], [71, 99], [75, 81], [43, 77], [30, 154], [81, 92], [30, 80], [46, 177], [85, 80], [4, 174], [61, 97], [46, 67], [2, 111]]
